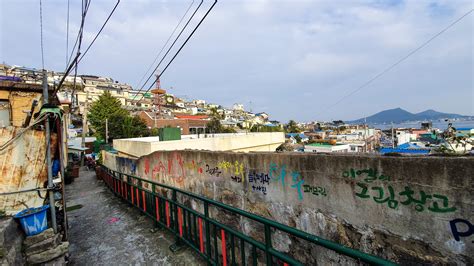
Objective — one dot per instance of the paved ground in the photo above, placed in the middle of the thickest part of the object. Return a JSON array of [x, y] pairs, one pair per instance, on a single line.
[[107, 230]]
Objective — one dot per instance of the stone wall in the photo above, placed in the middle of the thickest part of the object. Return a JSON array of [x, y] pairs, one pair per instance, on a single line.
[[406, 209]]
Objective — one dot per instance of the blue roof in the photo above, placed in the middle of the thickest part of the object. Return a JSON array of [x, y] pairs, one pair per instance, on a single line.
[[288, 135], [409, 145], [463, 128], [270, 125], [407, 151]]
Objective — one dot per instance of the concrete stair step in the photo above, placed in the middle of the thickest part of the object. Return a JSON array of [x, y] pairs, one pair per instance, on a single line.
[[49, 255]]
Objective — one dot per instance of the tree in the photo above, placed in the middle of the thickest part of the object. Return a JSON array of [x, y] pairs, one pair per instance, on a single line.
[[292, 127], [214, 125], [298, 139], [126, 126], [265, 128], [105, 107]]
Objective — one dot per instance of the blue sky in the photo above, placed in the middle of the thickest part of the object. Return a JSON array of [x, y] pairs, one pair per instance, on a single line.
[[291, 59]]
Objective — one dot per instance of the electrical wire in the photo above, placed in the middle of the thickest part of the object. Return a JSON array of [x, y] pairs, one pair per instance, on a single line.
[[41, 31], [176, 54], [98, 33], [67, 33], [169, 49], [166, 43], [85, 8], [78, 58], [399, 61]]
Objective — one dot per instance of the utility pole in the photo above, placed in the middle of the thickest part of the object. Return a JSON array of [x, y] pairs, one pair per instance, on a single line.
[[84, 127], [365, 133], [106, 130], [48, 154], [393, 137]]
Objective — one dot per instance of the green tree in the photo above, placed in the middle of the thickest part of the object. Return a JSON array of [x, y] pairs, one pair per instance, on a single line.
[[214, 125], [105, 107], [126, 126], [292, 127], [264, 128]]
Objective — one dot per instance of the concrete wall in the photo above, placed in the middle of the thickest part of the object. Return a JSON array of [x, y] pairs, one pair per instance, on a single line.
[[406, 209], [243, 142], [19, 103]]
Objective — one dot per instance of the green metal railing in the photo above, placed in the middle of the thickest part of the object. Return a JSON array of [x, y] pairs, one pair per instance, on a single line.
[[200, 231]]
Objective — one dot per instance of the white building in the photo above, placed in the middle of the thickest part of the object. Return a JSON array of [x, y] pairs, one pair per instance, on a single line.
[[404, 137], [238, 107], [326, 148]]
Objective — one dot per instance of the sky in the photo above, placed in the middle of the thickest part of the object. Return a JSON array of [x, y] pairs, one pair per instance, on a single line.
[[290, 59]]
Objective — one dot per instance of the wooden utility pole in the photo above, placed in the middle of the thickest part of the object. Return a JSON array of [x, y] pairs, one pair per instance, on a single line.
[[48, 154], [84, 127]]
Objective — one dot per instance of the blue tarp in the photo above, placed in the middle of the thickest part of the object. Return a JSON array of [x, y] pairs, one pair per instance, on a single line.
[[406, 151]]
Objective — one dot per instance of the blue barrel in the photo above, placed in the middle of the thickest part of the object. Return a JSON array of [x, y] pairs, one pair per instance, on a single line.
[[33, 220]]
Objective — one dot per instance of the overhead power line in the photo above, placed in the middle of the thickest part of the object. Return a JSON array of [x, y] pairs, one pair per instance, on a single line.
[[67, 33], [166, 43], [169, 49], [365, 84], [100, 31], [84, 9], [180, 48], [74, 64], [41, 32]]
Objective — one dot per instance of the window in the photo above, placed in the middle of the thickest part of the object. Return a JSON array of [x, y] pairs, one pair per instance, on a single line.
[[4, 113]]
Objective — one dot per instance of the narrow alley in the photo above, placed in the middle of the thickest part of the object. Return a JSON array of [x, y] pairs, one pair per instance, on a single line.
[[105, 230]]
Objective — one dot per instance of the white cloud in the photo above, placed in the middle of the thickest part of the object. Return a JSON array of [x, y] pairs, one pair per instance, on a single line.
[[273, 53]]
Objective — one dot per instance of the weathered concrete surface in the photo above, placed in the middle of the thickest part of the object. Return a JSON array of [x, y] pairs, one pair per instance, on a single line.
[[406, 209], [108, 231], [49, 254], [11, 238], [31, 240]]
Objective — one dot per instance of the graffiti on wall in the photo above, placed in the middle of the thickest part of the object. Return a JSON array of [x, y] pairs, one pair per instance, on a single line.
[[314, 190], [213, 170], [258, 181], [278, 173], [370, 174], [236, 169], [172, 167], [387, 195], [461, 228]]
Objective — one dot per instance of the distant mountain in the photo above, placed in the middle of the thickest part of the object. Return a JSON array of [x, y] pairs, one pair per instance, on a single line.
[[398, 115]]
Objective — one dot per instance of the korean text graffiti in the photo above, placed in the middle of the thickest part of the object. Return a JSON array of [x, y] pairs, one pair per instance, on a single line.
[[314, 190], [440, 203], [278, 173], [236, 168], [259, 181], [370, 174]]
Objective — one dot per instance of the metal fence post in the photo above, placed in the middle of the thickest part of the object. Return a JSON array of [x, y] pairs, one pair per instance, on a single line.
[[178, 245], [268, 244], [208, 231]]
